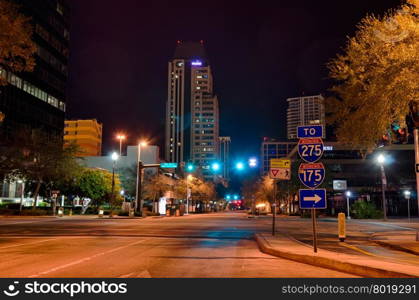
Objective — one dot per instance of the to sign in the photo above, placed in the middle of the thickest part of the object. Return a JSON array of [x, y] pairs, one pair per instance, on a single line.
[[310, 199], [311, 175], [315, 131], [310, 150], [280, 173], [168, 165]]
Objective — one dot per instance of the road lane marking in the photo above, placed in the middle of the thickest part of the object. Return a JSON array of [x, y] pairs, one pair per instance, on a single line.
[[18, 245], [87, 259]]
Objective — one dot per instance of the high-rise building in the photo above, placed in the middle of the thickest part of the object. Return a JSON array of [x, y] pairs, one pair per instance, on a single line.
[[87, 134], [224, 155], [37, 100], [271, 149], [192, 115], [304, 111]]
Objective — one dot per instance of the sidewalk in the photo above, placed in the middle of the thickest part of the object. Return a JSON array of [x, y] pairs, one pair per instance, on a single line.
[[365, 266], [398, 240]]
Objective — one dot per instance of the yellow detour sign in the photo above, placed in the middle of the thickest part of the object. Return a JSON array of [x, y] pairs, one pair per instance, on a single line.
[[280, 163], [341, 227], [280, 168]]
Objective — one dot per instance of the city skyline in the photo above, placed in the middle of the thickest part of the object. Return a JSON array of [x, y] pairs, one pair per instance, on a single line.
[[257, 65]]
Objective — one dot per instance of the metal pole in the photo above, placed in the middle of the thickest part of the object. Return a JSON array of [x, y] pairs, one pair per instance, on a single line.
[[22, 196], [274, 209], [416, 138], [383, 188], [313, 217], [140, 202], [113, 184], [187, 196], [138, 178], [120, 146], [347, 208]]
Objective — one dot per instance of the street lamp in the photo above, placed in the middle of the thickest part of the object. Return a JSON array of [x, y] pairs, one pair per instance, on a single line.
[[381, 159], [138, 198], [188, 192], [240, 166], [190, 168], [114, 157], [407, 194], [22, 193], [348, 194], [253, 162], [120, 137], [215, 167]]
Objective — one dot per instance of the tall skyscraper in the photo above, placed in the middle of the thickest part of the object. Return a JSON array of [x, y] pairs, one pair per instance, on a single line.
[[192, 118], [38, 99], [87, 134], [304, 111]]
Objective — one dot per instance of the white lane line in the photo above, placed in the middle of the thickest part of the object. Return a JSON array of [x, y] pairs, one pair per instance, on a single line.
[[87, 259], [31, 243]]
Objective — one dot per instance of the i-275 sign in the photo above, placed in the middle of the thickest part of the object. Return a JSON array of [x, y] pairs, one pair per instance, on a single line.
[[310, 149]]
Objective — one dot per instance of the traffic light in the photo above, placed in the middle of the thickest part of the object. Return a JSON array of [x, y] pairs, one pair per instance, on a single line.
[[190, 168]]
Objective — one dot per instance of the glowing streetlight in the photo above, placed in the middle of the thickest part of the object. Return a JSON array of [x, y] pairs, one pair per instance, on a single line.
[[120, 137], [138, 198], [253, 162], [348, 195], [190, 168], [381, 159], [215, 167], [114, 157], [407, 195], [240, 166]]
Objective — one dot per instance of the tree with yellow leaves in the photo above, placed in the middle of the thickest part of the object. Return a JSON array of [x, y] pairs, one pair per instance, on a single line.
[[377, 77], [16, 46]]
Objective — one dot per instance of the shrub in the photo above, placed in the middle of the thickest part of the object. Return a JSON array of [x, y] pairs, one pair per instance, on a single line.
[[365, 210]]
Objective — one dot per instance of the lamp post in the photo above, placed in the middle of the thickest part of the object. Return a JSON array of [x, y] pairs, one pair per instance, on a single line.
[[21, 194], [188, 192], [381, 159], [120, 137], [407, 194], [138, 198], [114, 157], [348, 194]]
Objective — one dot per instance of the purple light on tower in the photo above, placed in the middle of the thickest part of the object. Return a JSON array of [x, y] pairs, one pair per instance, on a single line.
[[197, 63]]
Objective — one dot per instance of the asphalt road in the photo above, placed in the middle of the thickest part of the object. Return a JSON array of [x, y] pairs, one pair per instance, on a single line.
[[214, 245]]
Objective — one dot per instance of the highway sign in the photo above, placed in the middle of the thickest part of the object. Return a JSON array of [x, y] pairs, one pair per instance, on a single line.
[[280, 173], [310, 199], [282, 163], [315, 131], [310, 149], [168, 165], [311, 175]]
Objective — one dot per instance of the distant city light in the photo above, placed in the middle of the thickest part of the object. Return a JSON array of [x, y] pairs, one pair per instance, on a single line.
[[197, 63], [381, 159], [228, 197], [115, 156], [236, 197], [190, 167]]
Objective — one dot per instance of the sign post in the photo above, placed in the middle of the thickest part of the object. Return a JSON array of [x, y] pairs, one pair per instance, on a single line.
[[280, 169], [311, 173]]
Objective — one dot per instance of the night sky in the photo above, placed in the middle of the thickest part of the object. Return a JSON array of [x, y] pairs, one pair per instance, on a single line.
[[261, 53]]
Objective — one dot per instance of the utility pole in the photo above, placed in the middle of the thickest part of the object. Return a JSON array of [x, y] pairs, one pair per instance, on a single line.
[[274, 209]]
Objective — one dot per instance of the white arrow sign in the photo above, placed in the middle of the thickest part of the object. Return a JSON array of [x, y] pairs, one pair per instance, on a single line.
[[316, 198]]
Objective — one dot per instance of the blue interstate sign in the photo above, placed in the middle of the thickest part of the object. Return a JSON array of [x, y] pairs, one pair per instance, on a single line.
[[315, 131], [168, 165], [310, 199], [310, 149], [311, 175]]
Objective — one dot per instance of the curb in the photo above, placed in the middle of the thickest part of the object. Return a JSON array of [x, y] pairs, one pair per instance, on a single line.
[[328, 263], [396, 247]]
